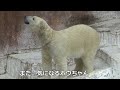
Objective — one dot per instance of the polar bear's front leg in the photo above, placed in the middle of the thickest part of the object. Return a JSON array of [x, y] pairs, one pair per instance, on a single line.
[[88, 61], [61, 66], [46, 63]]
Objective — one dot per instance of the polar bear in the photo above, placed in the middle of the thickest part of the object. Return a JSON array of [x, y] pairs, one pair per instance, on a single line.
[[79, 41]]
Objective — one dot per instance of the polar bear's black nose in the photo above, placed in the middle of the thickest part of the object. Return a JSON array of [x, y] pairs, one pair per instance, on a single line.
[[25, 20]]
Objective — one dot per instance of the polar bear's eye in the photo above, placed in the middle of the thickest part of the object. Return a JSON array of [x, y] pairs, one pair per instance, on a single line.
[[33, 18]]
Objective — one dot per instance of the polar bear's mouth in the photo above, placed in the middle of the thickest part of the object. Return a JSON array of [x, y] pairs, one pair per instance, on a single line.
[[25, 20]]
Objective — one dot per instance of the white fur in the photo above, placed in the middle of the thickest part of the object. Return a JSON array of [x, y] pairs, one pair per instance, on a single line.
[[79, 41]]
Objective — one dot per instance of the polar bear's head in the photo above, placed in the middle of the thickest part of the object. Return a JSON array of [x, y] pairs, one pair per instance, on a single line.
[[35, 23]]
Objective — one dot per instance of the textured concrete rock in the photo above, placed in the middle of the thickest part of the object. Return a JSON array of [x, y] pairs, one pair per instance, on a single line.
[[111, 55], [26, 63], [106, 65], [108, 24], [105, 15], [3, 65], [6, 76], [98, 74]]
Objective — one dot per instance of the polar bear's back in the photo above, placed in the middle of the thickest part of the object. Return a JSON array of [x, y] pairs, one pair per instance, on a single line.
[[81, 31], [77, 38], [80, 28]]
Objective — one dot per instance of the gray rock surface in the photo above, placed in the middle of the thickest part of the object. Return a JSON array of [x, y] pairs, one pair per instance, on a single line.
[[108, 25], [2, 65]]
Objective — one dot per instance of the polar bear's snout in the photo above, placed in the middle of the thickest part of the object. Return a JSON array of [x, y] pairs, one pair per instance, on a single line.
[[26, 20]]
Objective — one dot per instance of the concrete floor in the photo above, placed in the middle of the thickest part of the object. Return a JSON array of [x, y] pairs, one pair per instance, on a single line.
[[106, 65]]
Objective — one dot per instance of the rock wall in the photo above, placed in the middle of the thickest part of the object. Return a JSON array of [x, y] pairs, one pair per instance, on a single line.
[[108, 25]]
